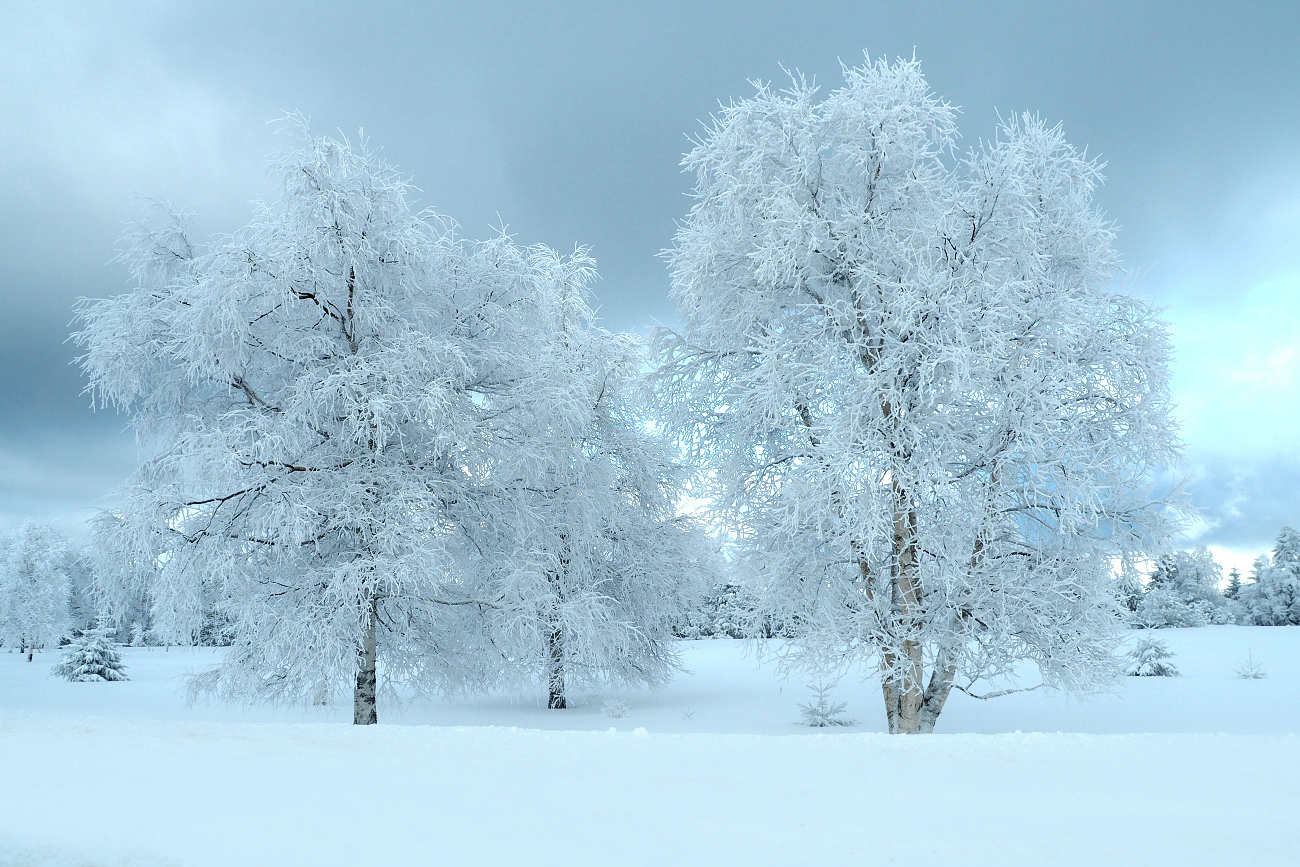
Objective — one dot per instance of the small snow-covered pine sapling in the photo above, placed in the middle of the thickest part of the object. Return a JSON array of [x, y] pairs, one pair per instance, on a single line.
[[1250, 669], [1147, 659], [614, 708], [91, 656], [915, 394], [821, 712]]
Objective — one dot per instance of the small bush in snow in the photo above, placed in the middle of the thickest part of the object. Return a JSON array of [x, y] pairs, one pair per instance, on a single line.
[[1250, 669], [91, 656], [614, 708], [821, 712], [1147, 660]]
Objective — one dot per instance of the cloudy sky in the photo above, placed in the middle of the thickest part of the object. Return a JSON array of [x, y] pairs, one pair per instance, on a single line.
[[566, 122]]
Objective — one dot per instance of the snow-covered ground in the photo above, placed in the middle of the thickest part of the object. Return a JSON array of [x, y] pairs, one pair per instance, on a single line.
[[1195, 770]]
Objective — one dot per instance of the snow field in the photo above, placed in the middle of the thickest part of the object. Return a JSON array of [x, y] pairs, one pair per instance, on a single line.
[[120, 792], [117, 774]]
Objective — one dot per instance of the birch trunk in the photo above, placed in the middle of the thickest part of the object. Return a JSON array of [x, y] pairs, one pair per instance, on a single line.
[[936, 694], [364, 712], [903, 668]]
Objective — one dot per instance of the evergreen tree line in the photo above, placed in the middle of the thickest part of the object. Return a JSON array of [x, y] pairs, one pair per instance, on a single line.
[[1184, 590]]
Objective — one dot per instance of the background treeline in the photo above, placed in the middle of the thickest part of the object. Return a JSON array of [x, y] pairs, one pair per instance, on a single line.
[[1186, 589], [52, 590]]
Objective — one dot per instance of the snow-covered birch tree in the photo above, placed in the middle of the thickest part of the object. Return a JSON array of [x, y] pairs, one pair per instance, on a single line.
[[320, 391], [597, 559], [929, 417]]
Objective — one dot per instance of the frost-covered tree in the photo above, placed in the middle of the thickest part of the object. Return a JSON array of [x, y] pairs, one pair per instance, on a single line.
[[597, 559], [124, 577], [321, 392], [1273, 597], [35, 587], [91, 656], [930, 419], [1129, 587], [1183, 590]]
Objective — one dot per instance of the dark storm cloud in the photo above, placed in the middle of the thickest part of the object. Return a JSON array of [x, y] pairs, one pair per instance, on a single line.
[[567, 122]]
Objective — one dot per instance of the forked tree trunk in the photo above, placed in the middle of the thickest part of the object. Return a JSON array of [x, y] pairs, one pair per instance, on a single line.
[[909, 710], [903, 669], [364, 711], [936, 694], [555, 675], [911, 707]]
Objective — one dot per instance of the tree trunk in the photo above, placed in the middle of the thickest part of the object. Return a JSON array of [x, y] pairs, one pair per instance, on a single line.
[[556, 699], [936, 694], [364, 712], [902, 667], [901, 682], [555, 675]]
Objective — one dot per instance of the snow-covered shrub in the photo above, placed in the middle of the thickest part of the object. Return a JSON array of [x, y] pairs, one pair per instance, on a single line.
[[821, 712], [1250, 669], [614, 708], [91, 656], [1147, 659]]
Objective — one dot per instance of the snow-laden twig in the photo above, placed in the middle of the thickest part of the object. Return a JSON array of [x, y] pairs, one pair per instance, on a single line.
[[996, 693]]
